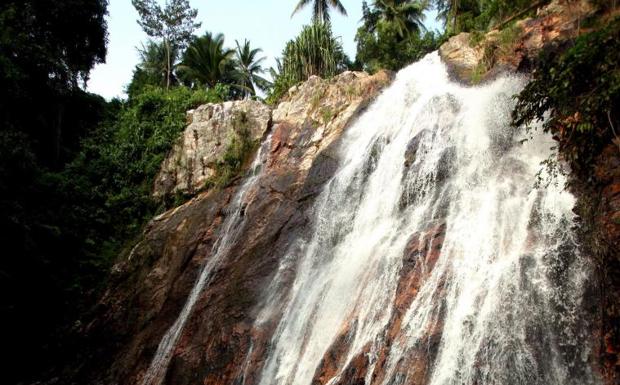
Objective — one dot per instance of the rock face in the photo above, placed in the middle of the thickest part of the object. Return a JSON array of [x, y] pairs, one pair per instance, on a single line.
[[150, 284], [223, 341], [514, 48], [210, 131], [598, 205], [461, 56]]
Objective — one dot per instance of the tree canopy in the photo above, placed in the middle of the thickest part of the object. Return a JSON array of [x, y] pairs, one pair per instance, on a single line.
[[173, 24]]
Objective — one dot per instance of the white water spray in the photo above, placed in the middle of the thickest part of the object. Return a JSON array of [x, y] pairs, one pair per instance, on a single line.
[[506, 287]]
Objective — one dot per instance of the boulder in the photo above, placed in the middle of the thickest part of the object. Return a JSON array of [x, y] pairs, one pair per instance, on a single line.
[[513, 48], [210, 131], [461, 57]]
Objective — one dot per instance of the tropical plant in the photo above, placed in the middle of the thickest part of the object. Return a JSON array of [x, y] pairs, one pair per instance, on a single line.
[[249, 68], [320, 9], [206, 62], [47, 49], [314, 52], [174, 24], [154, 58], [403, 16], [391, 35], [385, 49], [468, 15]]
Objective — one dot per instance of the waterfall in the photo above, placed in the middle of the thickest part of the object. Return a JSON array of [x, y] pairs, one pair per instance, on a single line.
[[434, 184], [229, 234]]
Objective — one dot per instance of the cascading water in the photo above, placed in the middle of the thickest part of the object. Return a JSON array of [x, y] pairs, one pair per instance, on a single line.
[[503, 292], [230, 232]]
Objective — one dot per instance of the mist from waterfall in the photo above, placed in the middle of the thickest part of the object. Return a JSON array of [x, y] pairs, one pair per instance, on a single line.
[[504, 294]]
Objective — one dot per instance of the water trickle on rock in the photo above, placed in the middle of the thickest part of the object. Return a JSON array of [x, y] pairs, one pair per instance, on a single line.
[[156, 372]]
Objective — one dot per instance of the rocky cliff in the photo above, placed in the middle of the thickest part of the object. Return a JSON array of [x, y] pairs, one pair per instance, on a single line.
[[151, 283], [473, 58], [222, 342], [212, 129]]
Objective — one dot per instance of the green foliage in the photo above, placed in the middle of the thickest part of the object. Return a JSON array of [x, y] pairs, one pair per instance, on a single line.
[[47, 48], [480, 15], [384, 49], [508, 36], [66, 227], [105, 190], [404, 17], [391, 36], [580, 92], [502, 46], [206, 62], [314, 52], [320, 9], [327, 114]]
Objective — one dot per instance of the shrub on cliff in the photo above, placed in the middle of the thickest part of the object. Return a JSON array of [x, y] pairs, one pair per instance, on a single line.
[[314, 52], [580, 90]]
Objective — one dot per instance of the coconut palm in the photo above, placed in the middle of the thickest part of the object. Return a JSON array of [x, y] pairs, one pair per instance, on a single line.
[[206, 61], [249, 68], [405, 16], [320, 9], [154, 62]]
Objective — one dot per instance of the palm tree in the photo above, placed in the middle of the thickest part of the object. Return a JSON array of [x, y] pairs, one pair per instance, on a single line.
[[320, 9], [154, 62], [206, 61], [249, 68], [406, 16]]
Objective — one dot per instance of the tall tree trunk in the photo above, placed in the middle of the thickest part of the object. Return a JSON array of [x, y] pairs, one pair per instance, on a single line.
[[167, 44], [57, 139], [455, 11]]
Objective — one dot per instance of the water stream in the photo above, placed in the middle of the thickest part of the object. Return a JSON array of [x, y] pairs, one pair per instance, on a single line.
[[499, 299], [505, 291], [230, 232]]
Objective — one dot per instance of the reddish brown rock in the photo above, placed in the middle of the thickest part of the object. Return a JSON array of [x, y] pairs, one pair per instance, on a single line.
[[221, 342], [517, 48], [419, 258]]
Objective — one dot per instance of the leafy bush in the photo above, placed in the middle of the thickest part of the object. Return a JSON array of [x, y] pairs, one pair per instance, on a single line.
[[115, 170], [65, 228], [580, 92], [385, 49], [482, 15]]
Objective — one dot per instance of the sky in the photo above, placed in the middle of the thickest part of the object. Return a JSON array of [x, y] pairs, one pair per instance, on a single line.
[[267, 24]]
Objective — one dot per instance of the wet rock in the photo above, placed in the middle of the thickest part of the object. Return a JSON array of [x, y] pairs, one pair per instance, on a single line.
[[446, 164], [413, 146], [598, 205]]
